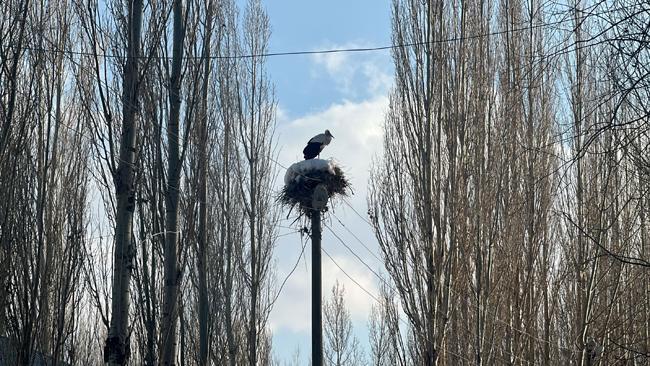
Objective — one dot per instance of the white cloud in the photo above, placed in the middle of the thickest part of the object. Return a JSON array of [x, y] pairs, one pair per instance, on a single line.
[[379, 82], [334, 62], [362, 74]]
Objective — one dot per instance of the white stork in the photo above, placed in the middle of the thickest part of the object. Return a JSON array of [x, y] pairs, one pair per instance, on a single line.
[[316, 144]]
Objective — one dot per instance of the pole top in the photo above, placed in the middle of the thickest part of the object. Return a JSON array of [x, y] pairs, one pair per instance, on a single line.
[[320, 197]]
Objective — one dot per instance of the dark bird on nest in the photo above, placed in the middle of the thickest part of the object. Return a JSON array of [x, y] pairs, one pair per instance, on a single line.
[[316, 145]]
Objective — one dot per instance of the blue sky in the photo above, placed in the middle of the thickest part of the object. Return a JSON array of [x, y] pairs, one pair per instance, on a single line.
[[346, 93], [302, 85]]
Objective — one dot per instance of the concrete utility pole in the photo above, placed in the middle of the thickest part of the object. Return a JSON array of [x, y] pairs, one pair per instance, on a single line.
[[323, 181], [319, 201]]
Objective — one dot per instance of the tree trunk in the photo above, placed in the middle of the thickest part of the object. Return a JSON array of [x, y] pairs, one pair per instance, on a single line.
[[255, 280], [202, 196], [172, 275], [116, 350]]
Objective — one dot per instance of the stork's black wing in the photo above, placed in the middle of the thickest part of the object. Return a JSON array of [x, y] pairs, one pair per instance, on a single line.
[[311, 150]]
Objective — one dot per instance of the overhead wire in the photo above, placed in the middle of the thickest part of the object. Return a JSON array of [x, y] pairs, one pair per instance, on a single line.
[[357, 256], [381, 278], [523, 26], [357, 238], [528, 26], [374, 297], [292, 53], [286, 279]]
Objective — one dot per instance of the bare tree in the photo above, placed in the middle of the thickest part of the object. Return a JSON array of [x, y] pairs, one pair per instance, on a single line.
[[410, 197], [172, 273], [386, 344], [236, 117], [254, 130], [117, 348], [44, 183], [341, 346], [202, 239]]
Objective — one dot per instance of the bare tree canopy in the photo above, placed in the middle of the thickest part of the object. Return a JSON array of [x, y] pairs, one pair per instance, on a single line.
[[510, 201]]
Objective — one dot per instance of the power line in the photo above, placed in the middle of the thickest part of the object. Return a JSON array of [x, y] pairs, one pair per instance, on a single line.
[[389, 285], [350, 277], [589, 13], [527, 27], [287, 233], [357, 238], [357, 256], [293, 269], [314, 52], [358, 214]]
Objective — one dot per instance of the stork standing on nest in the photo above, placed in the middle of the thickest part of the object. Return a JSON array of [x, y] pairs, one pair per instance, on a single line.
[[317, 144]]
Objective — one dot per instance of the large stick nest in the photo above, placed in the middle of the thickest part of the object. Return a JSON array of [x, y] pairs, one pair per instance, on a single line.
[[300, 184]]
